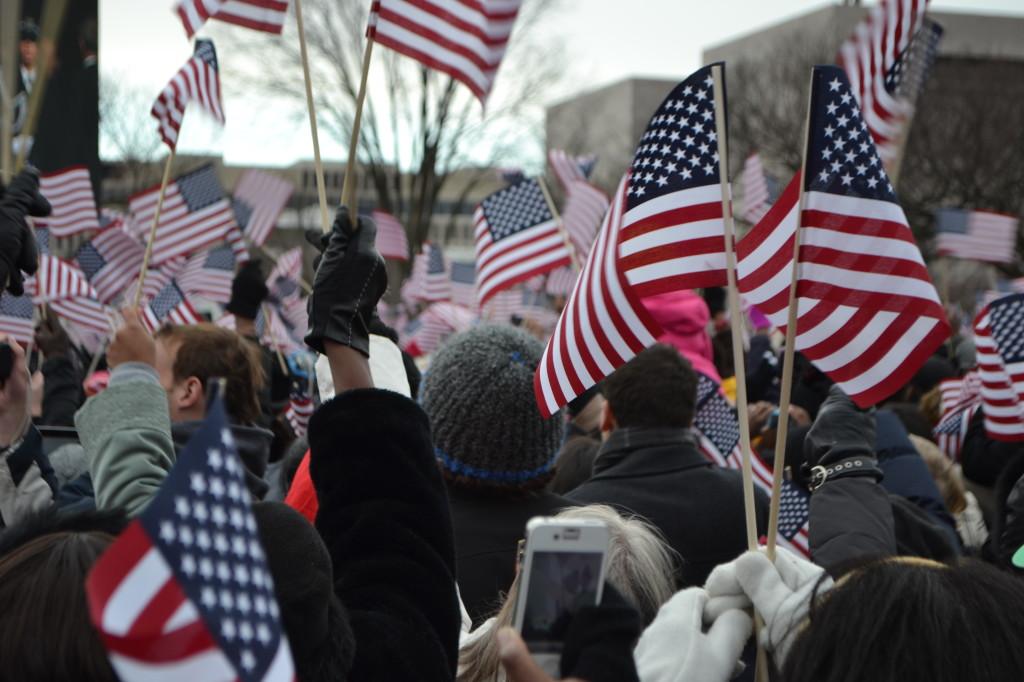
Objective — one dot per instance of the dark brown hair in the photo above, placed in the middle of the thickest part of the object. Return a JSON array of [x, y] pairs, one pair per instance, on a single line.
[[656, 389], [206, 351]]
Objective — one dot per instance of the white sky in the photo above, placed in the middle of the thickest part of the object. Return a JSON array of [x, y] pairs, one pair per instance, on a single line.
[[606, 40]]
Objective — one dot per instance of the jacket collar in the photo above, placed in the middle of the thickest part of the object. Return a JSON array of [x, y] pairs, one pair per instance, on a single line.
[[648, 451]]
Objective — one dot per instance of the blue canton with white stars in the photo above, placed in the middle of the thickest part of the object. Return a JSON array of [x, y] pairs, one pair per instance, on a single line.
[[90, 260], [200, 188], [463, 273], [43, 239], [909, 73], [516, 208], [167, 300], [15, 306], [201, 521], [679, 150], [220, 258], [841, 156], [242, 211], [435, 260], [1007, 324], [206, 52], [794, 508], [715, 417]]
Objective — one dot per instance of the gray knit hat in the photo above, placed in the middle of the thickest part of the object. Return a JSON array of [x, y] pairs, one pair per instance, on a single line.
[[478, 393]]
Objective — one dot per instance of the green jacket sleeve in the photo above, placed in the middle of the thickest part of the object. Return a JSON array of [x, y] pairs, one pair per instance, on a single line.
[[126, 433]]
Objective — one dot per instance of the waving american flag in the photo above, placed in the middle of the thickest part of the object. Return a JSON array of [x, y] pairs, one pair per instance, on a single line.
[[198, 81], [999, 338], [260, 15]]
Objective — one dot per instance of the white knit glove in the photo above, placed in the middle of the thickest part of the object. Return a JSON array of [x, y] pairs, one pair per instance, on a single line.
[[780, 592], [674, 648]]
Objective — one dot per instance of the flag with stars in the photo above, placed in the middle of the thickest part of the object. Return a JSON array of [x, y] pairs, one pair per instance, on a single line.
[[868, 314], [16, 317], [673, 234], [110, 261], [517, 237], [185, 591], [999, 339], [170, 306], [197, 81], [429, 279], [209, 274]]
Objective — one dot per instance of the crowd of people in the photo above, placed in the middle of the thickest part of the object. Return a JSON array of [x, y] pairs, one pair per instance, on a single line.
[[391, 529]]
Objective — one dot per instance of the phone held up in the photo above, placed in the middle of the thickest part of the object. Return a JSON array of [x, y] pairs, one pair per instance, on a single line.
[[563, 570]]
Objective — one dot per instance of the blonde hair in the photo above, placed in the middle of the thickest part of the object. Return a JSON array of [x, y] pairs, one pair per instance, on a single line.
[[641, 566], [946, 474]]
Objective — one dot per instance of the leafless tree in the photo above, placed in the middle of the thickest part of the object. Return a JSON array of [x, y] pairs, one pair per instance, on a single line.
[[126, 129]]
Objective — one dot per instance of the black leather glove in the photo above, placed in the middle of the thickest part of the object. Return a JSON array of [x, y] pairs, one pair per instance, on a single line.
[[18, 251], [248, 291], [349, 281], [840, 430], [600, 640]]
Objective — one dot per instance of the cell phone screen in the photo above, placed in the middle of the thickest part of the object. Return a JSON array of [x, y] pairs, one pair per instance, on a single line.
[[560, 583]]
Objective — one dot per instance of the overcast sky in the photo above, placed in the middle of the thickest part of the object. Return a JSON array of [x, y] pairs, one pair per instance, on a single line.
[[606, 40]]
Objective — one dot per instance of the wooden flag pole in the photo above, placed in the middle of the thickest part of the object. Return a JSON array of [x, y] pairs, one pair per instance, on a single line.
[[321, 188], [9, 14], [152, 229], [786, 391], [52, 20], [573, 256], [348, 189]]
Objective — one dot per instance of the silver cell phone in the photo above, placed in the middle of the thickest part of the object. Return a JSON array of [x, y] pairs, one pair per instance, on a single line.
[[563, 570]]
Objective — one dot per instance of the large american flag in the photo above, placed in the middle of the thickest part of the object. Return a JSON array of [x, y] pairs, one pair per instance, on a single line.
[[197, 81], [392, 241], [185, 591], [259, 15], [195, 216], [16, 317], [69, 192], [976, 235], [517, 237], [757, 197], [868, 314], [673, 235], [258, 201], [464, 38], [569, 168], [110, 260], [429, 279], [169, 306], [999, 340], [209, 274], [869, 55], [67, 291]]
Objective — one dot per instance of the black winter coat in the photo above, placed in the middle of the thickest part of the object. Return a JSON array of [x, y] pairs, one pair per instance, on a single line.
[[660, 475], [384, 518]]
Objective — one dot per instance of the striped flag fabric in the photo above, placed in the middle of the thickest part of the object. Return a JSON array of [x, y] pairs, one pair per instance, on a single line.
[[999, 342], [209, 274], [585, 206], [517, 237], [462, 277], [16, 317], [868, 314], [756, 196], [198, 81], [260, 15], [673, 233], [170, 306], [560, 281], [908, 75], [568, 168], [429, 279], [868, 57], [300, 409], [960, 401], [185, 592], [66, 290], [465, 39], [976, 235], [258, 201], [436, 324], [392, 241], [195, 216], [69, 192], [111, 261], [954, 391], [283, 280]]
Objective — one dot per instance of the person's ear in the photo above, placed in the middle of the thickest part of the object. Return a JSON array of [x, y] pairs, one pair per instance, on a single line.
[[192, 395], [608, 423]]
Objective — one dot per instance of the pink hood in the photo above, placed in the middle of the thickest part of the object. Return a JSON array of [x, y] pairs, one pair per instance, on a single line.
[[684, 317]]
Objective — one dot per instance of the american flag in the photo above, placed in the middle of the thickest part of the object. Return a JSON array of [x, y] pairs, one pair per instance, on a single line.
[[436, 324], [718, 436], [300, 409], [560, 281], [568, 168], [209, 274], [869, 55], [757, 197], [517, 237], [260, 15], [111, 261], [673, 235], [951, 431], [510, 175], [429, 279], [909, 74], [16, 317], [42, 239], [464, 38], [185, 591], [197, 81], [69, 192], [999, 340], [585, 206], [868, 314], [156, 279], [463, 284], [976, 235], [391, 238], [68, 293], [955, 391], [283, 281], [258, 202], [170, 306], [195, 216]]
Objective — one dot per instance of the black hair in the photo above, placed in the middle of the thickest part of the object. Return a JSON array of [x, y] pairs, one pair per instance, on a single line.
[[656, 389], [912, 620]]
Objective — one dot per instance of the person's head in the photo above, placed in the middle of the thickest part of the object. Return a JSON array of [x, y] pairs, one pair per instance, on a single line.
[[28, 43], [488, 432], [656, 389], [946, 474], [187, 357], [44, 614], [640, 566], [911, 619], [585, 410]]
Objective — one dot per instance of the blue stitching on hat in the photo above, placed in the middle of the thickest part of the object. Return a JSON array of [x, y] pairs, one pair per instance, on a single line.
[[461, 468], [517, 358]]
